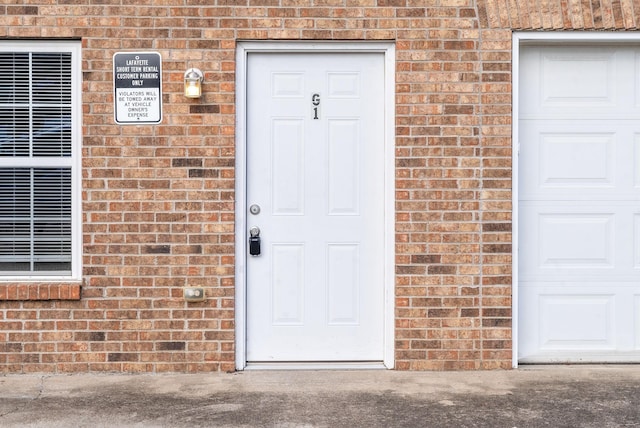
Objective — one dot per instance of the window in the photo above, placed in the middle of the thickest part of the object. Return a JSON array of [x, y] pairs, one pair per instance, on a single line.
[[39, 160]]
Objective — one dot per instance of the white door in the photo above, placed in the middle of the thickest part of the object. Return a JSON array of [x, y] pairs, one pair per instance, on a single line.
[[315, 189], [579, 204]]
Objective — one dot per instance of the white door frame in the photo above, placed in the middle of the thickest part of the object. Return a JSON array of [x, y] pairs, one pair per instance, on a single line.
[[550, 38], [242, 52]]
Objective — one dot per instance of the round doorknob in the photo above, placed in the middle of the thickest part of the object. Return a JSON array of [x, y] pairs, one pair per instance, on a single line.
[[254, 209]]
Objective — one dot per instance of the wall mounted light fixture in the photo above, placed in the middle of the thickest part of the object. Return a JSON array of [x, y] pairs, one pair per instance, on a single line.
[[193, 78]]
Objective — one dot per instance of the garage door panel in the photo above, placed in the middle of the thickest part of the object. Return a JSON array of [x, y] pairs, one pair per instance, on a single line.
[[579, 238], [635, 76], [577, 82], [579, 160], [636, 242], [636, 321], [600, 322], [573, 321], [635, 168], [575, 240], [561, 160], [577, 78]]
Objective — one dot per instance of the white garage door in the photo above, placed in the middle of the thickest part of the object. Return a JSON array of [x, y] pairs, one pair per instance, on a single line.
[[579, 204]]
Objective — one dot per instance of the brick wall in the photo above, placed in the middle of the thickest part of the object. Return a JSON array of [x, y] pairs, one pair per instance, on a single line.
[[158, 211]]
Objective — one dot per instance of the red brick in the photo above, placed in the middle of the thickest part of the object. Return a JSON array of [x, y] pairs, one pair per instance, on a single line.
[[159, 200]]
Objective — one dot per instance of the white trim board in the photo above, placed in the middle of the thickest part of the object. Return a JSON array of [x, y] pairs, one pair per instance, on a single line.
[[242, 52]]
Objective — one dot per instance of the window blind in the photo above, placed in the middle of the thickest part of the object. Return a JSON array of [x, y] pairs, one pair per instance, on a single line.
[[35, 191]]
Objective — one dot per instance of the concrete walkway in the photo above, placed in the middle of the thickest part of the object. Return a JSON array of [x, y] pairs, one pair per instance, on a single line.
[[574, 396]]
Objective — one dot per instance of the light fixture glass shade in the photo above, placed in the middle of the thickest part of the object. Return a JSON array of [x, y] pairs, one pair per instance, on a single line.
[[193, 78]]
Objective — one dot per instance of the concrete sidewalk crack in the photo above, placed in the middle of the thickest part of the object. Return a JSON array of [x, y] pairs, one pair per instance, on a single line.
[[37, 397]]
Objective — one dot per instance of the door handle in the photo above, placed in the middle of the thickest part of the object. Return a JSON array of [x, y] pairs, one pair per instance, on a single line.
[[254, 241]]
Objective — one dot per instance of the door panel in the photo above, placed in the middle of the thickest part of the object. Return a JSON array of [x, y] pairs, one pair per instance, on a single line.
[[315, 163]]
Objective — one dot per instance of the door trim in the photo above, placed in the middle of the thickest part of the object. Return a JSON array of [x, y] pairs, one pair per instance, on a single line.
[[242, 52], [519, 40]]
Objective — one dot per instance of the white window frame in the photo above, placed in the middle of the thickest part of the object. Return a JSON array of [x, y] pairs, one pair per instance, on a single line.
[[74, 161]]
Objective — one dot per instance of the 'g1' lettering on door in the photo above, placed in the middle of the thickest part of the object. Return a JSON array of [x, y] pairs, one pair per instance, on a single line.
[[315, 101]]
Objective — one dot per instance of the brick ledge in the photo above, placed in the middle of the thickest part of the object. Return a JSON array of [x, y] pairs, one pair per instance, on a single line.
[[40, 291]]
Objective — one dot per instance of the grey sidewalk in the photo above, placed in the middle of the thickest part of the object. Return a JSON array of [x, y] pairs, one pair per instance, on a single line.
[[575, 396]]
